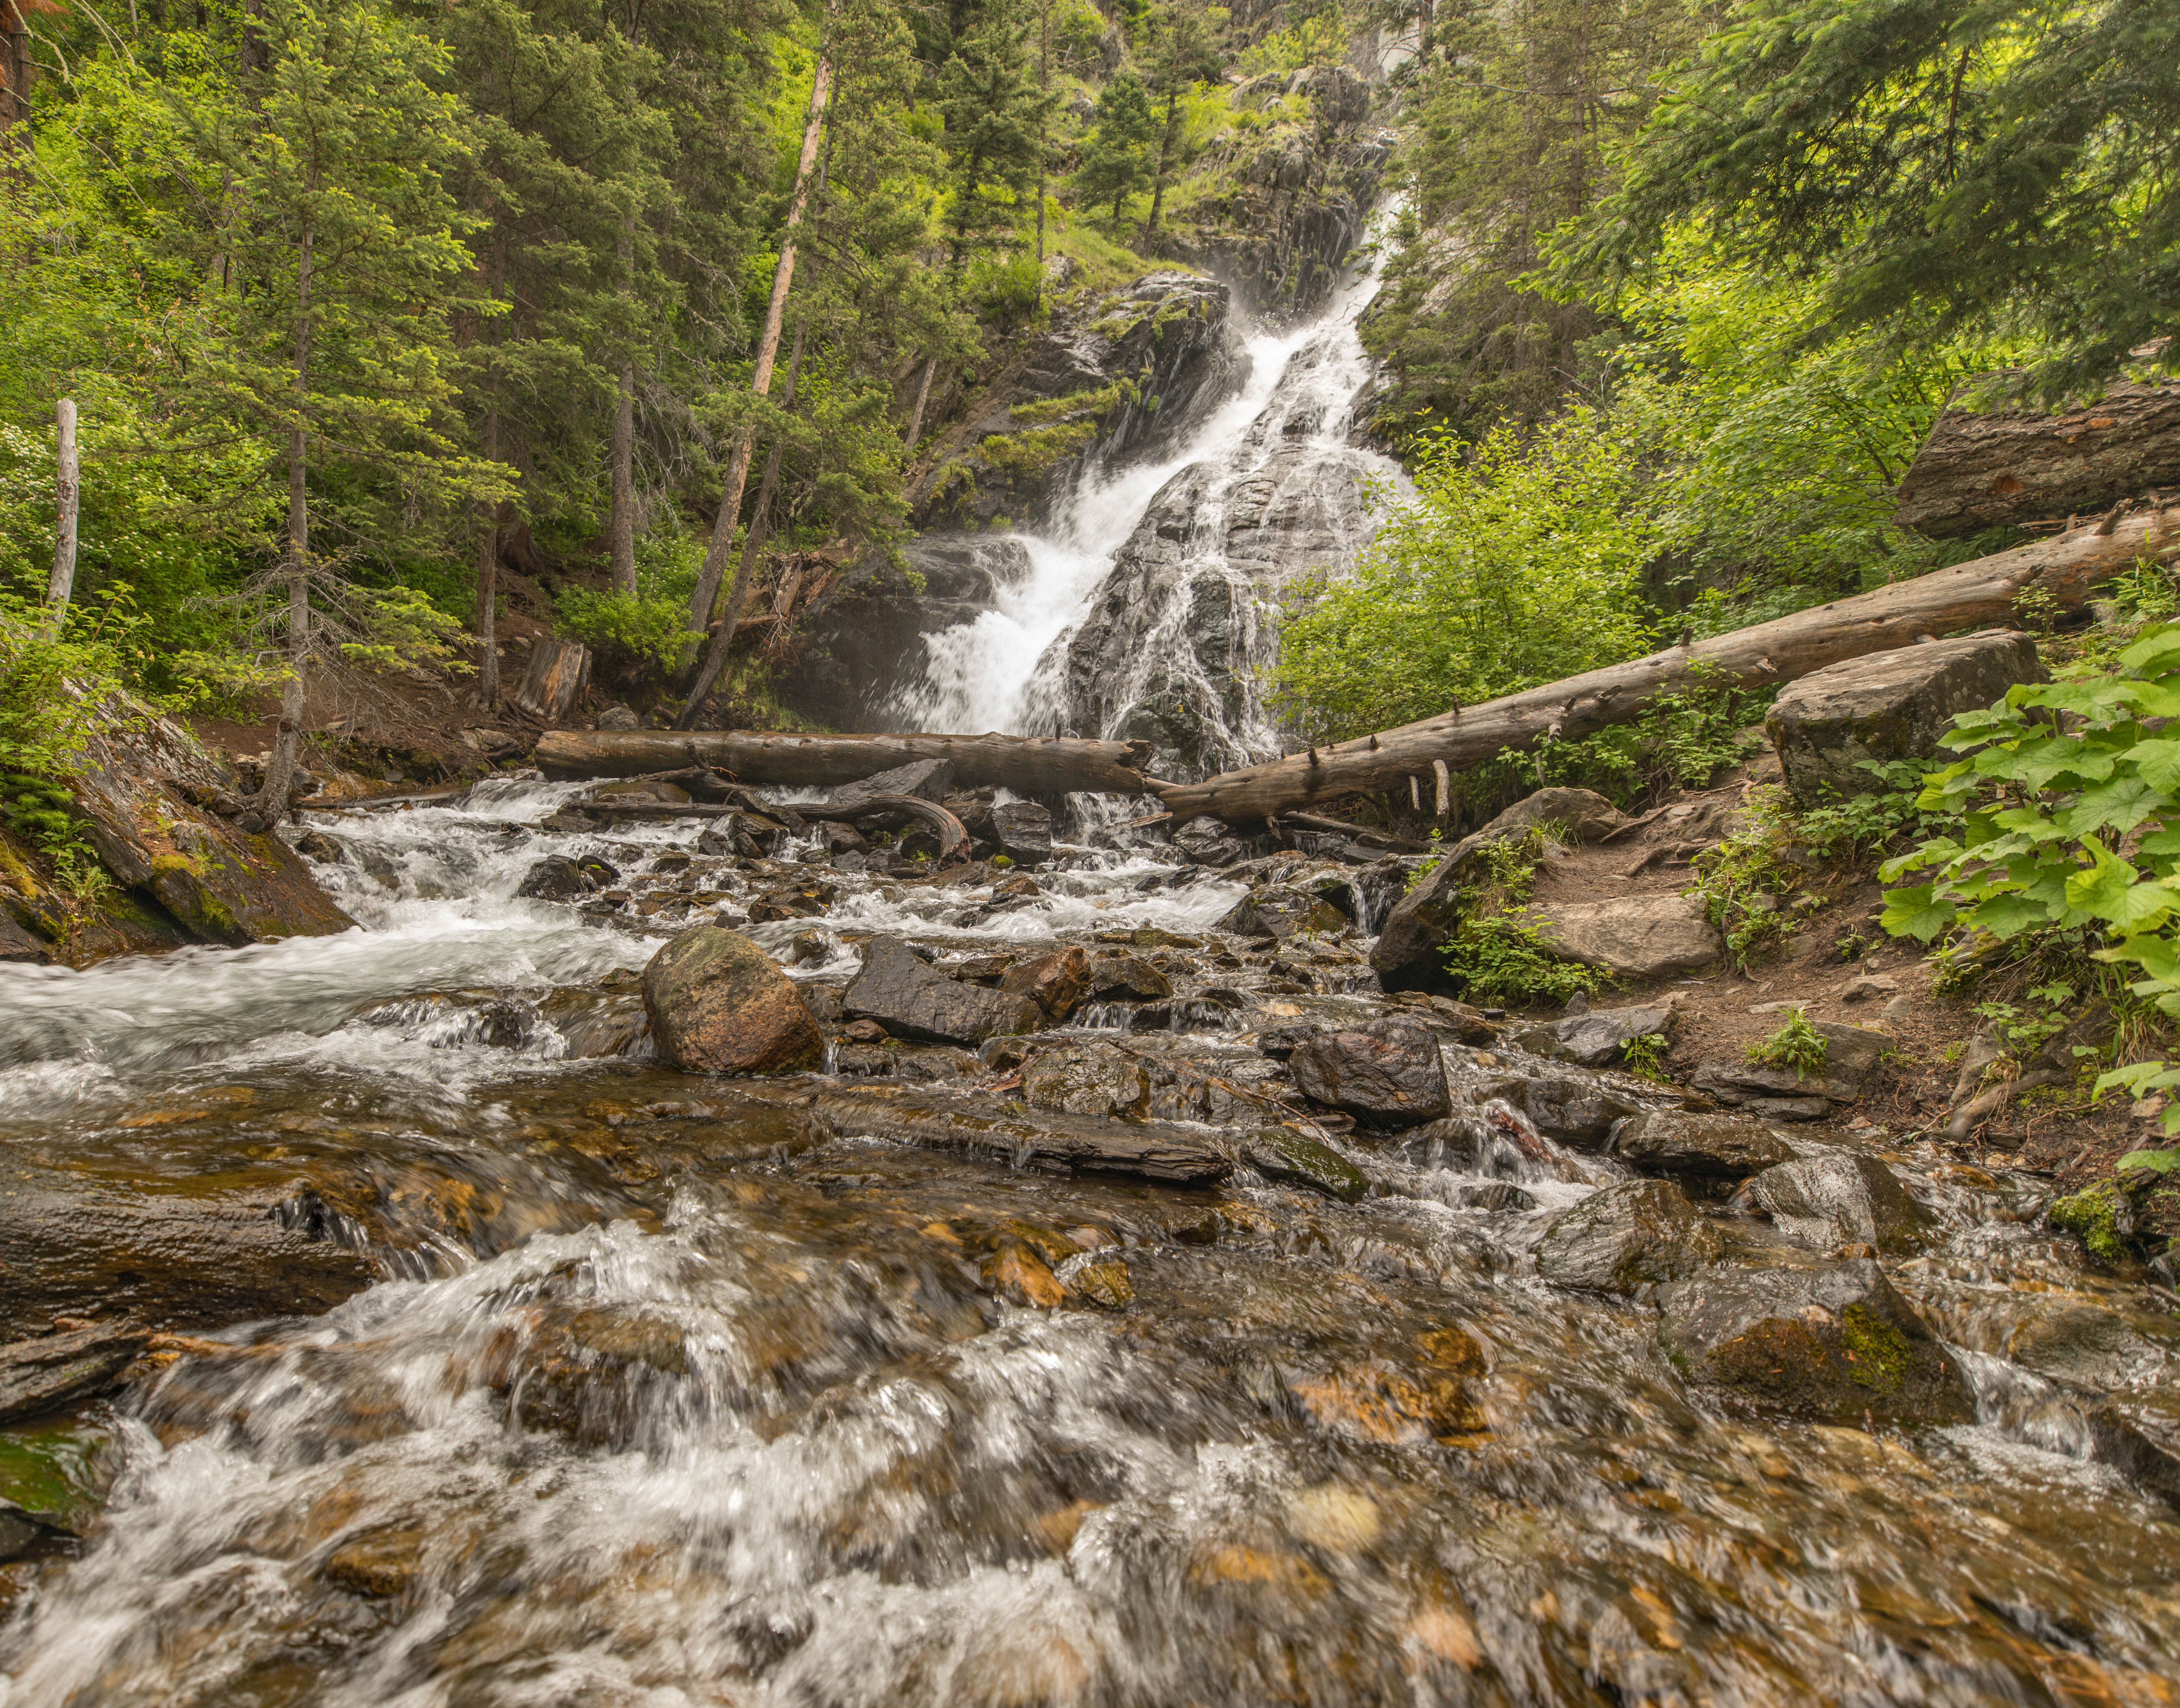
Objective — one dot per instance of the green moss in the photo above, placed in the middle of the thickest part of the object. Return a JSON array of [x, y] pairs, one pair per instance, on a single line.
[[2092, 1216], [1876, 1351], [1034, 452], [175, 862], [1075, 404]]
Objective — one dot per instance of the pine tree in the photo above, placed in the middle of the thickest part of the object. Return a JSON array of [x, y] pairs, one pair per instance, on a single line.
[[1116, 159], [1183, 54], [995, 117]]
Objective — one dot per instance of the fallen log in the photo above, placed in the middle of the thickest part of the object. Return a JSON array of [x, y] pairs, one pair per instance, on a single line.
[[1982, 469], [1971, 595], [1028, 765]]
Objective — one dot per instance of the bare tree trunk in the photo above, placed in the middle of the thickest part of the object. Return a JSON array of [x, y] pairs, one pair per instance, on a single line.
[[1157, 183], [715, 656], [915, 411], [1425, 10], [66, 487], [273, 801], [706, 592], [1982, 591], [623, 453], [1027, 764], [487, 566]]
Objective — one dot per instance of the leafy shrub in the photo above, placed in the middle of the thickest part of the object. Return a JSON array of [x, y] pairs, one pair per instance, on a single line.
[[1797, 1044], [650, 625], [2068, 809], [1645, 1057], [1502, 960], [1739, 883], [1876, 818]]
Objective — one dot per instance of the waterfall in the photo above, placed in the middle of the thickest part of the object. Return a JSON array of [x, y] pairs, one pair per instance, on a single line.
[[1144, 609]]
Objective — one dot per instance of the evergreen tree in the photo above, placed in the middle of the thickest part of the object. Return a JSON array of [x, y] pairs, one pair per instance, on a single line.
[[1116, 159], [1183, 54], [995, 117]]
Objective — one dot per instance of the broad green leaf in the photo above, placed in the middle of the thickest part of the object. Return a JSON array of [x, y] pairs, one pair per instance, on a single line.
[[2157, 762], [2161, 643], [1915, 913], [2120, 804], [2010, 915], [2166, 1162]]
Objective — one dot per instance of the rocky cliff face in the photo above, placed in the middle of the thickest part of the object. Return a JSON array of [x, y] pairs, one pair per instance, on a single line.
[[1107, 382]]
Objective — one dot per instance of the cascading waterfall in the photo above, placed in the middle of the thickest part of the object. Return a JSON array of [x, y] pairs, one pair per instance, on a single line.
[[1142, 612]]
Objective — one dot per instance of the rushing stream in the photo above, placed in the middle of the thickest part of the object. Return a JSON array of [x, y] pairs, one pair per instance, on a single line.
[[671, 1391]]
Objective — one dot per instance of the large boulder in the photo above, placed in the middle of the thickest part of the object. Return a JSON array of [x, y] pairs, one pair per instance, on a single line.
[[1631, 936], [1408, 953], [1093, 1079], [1023, 830], [718, 1004], [1388, 1072], [1849, 1054], [1835, 1344], [1704, 1148], [1282, 911], [1841, 1198], [911, 1000], [1618, 1240], [1889, 706], [1596, 1038]]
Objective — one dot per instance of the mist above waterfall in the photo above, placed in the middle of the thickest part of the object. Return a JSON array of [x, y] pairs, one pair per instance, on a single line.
[[1146, 609]]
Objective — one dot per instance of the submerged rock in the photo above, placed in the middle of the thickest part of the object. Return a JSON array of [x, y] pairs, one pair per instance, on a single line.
[[1282, 911], [1390, 1071], [1835, 1344], [1705, 1148], [718, 1004], [911, 1000], [1615, 1240]]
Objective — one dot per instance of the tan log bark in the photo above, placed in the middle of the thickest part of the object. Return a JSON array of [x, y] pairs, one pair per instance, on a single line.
[[1977, 594], [2010, 467], [67, 490], [558, 672], [767, 351], [1029, 765], [271, 805]]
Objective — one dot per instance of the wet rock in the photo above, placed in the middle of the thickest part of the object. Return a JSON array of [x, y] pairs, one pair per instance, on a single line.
[[1023, 830], [639, 789], [718, 1004], [1835, 1344], [1842, 1198], [1709, 1149], [2089, 1347], [1409, 954], [52, 1370], [1156, 1150], [1573, 1111], [1849, 1054], [1104, 1282], [1631, 936], [804, 901], [554, 878], [1284, 1154], [1595, 1040], [205, 1257], [1501, 1196], [594, 1024], [911, 1000], [1127, 977], [2139, 1436], [17, 944], [1617, 1240], [1889, 706], [1209, 842], [315, 845], [1280, 910], [1017, 1274], [1055, 982], [1093, 1079], [1390, 1072]]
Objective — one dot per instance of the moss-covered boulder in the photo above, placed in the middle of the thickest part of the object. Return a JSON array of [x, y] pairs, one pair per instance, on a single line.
[[718, 1004]]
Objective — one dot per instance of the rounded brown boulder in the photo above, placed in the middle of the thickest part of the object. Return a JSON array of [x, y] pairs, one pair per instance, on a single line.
[[719, 1005]]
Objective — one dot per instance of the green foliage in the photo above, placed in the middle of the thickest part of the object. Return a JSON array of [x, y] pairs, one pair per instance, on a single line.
[[649, 624], [1645, 1057], [1320, 39], [1116, 157], [1740, 883], [2098, 1216], [54, 689], [1501, 959], [1513, 565], [1934, 167], [1873, 821], [1797, 1044]]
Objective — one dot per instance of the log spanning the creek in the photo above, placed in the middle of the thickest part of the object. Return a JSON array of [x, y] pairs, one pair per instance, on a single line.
[[1980, 593], [1028, 765]]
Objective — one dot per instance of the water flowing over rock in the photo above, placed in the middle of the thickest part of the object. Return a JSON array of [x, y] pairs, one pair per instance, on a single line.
[[1617, 1240]]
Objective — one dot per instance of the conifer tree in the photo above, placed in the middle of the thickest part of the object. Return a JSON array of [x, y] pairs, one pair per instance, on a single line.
[[1183, 54], [995, 117], [1116, 159]]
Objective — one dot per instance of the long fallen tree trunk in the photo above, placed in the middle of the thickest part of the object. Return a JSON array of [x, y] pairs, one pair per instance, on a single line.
[[1028, 765], [1976, 594]]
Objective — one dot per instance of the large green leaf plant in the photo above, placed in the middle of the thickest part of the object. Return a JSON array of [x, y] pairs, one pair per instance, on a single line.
[[2068, 800]]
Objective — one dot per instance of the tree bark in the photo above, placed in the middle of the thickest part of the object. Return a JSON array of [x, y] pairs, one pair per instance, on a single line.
[[1968, 596], [624, 454], [915, 411], [715, 656], [495, 516], [783, 277], [68, 488], [1029, 765], [1157, 183], [272, 799], [2008, 467]]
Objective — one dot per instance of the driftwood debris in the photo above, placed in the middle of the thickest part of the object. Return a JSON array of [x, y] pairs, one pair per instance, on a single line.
[[1028, 765], [1980, 470], [1979, 593]]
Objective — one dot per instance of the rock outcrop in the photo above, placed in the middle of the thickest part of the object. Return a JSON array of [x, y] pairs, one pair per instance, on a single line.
[[1889, 706], [913, 1001], [1633, 937]]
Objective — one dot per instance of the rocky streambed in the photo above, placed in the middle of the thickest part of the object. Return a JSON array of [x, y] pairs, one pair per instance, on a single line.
[[1105, 1294]]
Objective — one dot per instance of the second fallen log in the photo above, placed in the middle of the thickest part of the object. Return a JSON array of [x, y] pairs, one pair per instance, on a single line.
[[1028, 765]]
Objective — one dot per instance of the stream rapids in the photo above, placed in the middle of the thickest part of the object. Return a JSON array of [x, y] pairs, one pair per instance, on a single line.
[[669, 1390]]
